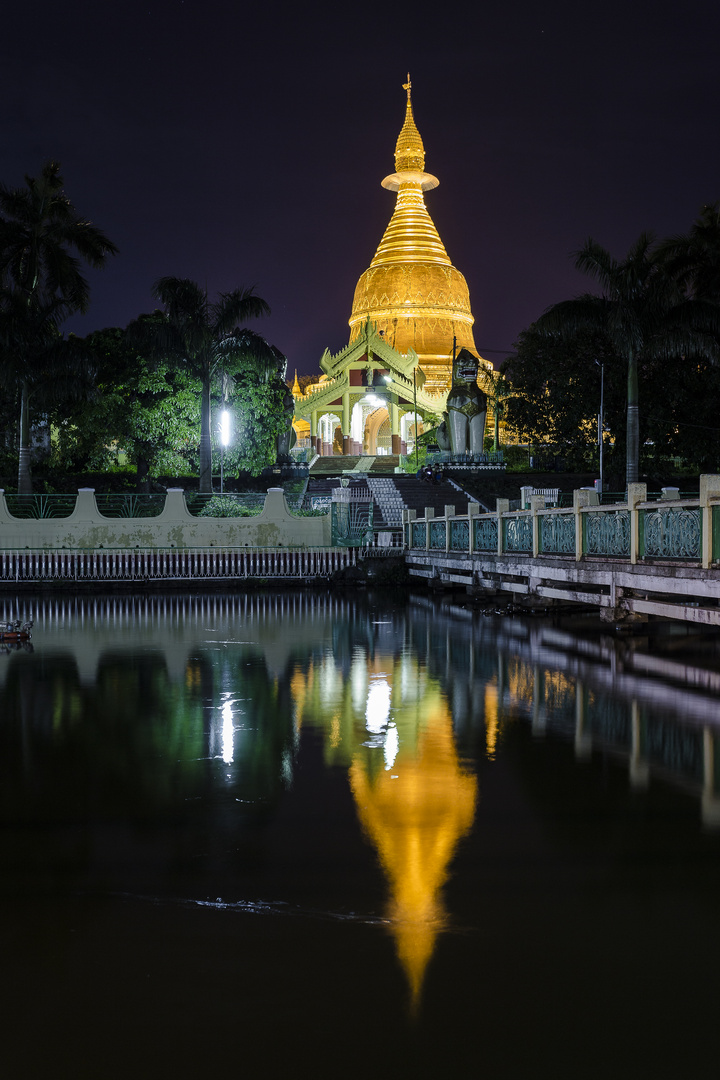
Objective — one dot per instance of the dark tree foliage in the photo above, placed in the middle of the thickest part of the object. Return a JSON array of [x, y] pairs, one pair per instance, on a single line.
[[43, 244], [647, 319], [693, 260], [556, 393], [198, 334], [257, 396], [146, 410]]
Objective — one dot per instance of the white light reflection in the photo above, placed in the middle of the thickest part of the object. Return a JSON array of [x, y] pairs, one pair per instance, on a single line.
[[391, 747], [358, 679], [377, 709], [228, 732]]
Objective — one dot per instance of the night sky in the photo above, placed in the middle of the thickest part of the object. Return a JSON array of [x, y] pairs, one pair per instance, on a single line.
[[241, 145]]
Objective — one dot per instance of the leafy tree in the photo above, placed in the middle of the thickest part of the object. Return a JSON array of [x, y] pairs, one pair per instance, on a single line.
[[41, 284], [260, 401], [147, 409], [644, 316], [555, 384], [198, 334]]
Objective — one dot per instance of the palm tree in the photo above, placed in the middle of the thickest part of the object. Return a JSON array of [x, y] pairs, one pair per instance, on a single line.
[[204, 336], [41, 284], [644, 315], [694, 260]]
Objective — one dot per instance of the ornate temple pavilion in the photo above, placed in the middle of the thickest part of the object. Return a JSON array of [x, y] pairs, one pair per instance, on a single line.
[[411, 306]]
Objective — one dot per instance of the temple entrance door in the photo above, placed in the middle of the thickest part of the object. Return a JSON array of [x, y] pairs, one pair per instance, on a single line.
[[327, 426], [377, 432]]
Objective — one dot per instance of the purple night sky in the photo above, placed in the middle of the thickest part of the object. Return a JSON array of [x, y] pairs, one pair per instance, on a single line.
[[240, 147]]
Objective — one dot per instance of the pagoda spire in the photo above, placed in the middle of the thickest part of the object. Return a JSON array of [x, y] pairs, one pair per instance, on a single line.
[[411, 290], [411, 235]]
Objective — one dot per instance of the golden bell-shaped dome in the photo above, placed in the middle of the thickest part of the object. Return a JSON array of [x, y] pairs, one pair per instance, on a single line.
[[411, 289]]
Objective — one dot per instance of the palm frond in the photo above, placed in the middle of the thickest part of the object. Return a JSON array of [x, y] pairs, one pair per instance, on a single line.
[[237, 307]]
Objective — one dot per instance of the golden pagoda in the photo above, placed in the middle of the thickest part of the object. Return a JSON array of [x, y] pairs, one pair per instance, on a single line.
[[411, 290]]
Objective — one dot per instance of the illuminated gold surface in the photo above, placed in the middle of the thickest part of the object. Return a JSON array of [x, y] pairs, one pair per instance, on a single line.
[[411, 289], [415, 814]]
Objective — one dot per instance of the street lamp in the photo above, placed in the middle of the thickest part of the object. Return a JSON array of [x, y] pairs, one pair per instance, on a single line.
[[601, 365], [224, 440]]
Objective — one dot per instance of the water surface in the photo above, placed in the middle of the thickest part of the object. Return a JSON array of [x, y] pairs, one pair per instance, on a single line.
[[324, 835]]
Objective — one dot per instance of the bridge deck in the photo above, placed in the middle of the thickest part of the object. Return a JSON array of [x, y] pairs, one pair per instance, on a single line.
[[621, 590]]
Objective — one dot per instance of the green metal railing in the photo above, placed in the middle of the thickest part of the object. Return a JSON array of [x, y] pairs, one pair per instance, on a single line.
[[40, 506], [130, 506], [557, 534], [607, 533], [664, 529], [671, 533]]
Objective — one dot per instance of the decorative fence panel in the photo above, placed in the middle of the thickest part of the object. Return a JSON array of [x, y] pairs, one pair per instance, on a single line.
[[485, 534], [39, 507], [130, 506], [418, 534], [460, 535], [672, 533], [607, 533], [557, 534], [518, 533], [352, 521], [438, 535]]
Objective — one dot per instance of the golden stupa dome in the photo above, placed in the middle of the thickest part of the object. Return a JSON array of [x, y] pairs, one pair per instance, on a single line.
[[411, 289]]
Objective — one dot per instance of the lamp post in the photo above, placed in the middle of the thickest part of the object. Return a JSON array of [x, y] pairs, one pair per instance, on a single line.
[[601, 419], [224, 440]]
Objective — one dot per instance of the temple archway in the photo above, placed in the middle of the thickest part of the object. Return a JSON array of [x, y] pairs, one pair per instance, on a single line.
[[374, 441], [327, 427]]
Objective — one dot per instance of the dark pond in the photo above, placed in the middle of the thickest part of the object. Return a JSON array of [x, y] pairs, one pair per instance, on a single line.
[[346, 836]]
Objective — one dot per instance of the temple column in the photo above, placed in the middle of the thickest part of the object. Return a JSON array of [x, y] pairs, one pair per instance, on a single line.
[[314, 442], [327, 446], [346, 440], [395, 442]]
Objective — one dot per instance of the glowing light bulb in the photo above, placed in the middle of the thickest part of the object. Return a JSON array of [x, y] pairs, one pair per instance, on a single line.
[[225, 427]]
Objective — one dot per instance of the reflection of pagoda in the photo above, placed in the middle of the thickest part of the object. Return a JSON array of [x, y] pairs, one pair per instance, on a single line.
[[415, 813], [411, 290]]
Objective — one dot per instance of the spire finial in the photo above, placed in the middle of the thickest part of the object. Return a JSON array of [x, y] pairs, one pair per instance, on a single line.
[[408, 86]]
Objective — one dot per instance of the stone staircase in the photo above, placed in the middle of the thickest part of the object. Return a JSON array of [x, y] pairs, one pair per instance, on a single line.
[[391, 494], [388, 500], [339, 464]]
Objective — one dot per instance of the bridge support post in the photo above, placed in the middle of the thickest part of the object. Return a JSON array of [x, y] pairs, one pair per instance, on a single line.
[[709, 489], [580, 498], [429, 515], [449, 513], [473, 511], [637, 493], [537, 503], [503, 507]]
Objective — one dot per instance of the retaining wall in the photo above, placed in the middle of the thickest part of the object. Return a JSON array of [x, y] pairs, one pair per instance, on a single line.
[[174, 527]]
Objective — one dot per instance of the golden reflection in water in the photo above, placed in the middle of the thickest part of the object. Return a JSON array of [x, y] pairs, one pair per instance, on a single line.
[[415, 815], [390, 724], [492, 726]]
